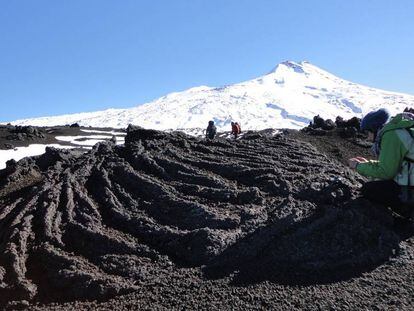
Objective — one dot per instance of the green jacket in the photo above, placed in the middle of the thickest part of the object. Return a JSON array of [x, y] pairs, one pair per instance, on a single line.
[[396, 144]]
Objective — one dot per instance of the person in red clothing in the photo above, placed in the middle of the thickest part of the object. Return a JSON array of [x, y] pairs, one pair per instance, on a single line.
[[238, 128], [234, 130]]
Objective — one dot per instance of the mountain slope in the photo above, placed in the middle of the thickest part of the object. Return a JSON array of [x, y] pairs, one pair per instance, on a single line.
[[287, 97]]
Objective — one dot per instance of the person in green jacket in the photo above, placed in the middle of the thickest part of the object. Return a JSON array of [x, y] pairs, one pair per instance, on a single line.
[[393, 170]]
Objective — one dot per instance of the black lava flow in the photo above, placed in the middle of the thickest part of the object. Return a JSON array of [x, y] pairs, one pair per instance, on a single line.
[[81, 226]]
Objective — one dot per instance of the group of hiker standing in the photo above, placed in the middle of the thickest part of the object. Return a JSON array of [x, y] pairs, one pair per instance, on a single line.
[[211, 130]]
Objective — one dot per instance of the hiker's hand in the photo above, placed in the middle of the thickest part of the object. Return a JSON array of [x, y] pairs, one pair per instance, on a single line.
[[353, 163], [361, 159]]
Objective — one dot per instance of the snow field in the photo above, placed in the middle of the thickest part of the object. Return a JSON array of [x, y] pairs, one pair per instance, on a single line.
[[22, 152]]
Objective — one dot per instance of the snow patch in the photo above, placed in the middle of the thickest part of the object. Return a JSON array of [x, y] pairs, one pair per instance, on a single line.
[[114, 133], [22, 152], [90, 140]]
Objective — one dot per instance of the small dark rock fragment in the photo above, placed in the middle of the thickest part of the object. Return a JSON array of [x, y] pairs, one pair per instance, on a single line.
[[8, 146]]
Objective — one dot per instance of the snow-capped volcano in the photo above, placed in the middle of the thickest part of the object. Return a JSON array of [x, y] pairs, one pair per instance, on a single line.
[[287, 97]]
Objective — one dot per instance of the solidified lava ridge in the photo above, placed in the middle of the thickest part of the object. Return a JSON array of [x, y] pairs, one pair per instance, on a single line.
[[94, 225]]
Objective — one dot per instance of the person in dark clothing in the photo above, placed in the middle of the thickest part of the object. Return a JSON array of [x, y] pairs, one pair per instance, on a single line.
[[211, 130]]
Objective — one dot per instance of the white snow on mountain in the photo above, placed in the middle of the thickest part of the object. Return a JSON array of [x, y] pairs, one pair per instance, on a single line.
[[287, 97]]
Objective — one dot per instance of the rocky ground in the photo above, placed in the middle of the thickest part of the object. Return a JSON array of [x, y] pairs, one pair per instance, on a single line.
[[171, 221], [21, 136]]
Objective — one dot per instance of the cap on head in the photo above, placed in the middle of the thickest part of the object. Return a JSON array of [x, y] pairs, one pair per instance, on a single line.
[[374, 120], [211, 122]]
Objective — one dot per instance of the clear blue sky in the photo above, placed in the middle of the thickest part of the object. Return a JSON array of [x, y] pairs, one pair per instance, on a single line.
[[84, 55]]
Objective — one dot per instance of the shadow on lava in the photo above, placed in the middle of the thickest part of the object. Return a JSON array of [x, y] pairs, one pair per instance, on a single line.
[[334, 244]]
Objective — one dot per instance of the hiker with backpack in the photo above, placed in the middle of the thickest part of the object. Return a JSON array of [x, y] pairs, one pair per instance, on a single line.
[[235, 129], [211, 130], [238, 128], [393, 170]]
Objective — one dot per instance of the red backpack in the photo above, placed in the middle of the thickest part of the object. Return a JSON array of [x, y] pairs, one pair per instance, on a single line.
[[234, 129], [238, 128]]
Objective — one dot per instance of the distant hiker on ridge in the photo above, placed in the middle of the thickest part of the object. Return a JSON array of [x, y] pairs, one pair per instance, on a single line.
[[235, 129], [394, 170], [238, 128], [211, 130]]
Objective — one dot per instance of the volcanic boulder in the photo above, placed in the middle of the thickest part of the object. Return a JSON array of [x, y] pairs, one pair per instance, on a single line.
[[344, 128], [23, 133]]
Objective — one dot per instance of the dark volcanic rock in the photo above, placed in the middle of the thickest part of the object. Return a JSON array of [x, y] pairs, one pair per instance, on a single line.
[[320, 123], [8, 146], [353, 122], [22, 133], [118, 219], [345, 128]]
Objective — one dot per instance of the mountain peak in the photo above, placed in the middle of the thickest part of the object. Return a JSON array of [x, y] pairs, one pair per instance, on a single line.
[[295, 66]]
